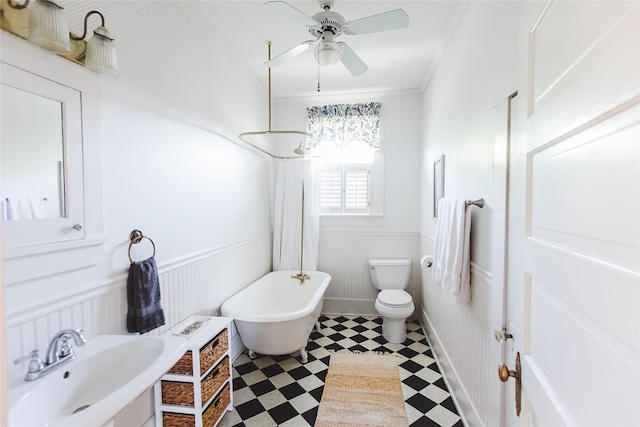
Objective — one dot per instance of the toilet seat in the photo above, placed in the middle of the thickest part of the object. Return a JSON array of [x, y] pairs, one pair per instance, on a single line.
[[394, 298]]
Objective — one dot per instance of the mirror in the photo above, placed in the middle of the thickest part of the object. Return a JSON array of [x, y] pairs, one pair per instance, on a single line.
[[41, 156], [31, 153], [49, 147]]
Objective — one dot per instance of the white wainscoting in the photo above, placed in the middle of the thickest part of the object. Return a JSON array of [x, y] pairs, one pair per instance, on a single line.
[[345, 254], [460, 336], [195, 284]]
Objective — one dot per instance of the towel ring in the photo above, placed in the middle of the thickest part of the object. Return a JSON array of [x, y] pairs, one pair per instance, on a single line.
[[135, 237]]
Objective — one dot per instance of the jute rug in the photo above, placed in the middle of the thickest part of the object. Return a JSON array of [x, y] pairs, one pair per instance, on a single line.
[[362, 390]]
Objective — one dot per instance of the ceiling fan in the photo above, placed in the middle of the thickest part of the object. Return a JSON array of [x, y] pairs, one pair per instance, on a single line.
[[327, 25]]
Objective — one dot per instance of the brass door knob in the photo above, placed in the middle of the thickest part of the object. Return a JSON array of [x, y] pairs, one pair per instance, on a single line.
[[505, 373]]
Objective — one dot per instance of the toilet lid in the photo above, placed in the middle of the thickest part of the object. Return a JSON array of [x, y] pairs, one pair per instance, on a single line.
[[394, 298]]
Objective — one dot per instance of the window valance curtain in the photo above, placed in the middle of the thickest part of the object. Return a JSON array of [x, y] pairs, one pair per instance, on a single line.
[[339, 125]]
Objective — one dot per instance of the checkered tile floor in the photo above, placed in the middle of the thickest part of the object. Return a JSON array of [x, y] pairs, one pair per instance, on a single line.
[[281, 391]]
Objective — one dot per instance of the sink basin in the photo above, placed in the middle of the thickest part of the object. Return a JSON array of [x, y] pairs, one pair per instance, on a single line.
[[108, 373]]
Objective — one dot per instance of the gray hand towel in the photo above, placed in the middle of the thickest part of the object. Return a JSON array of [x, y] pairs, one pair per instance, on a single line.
[[143, 297]]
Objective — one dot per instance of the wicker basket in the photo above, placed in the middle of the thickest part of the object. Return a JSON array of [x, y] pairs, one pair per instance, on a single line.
[[209, 417], [208, 354], [184, 366], [213, 350], [182, 394], [214, 379], [177, 393]]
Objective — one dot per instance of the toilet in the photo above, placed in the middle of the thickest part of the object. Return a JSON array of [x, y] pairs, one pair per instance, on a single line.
[[394, 304]]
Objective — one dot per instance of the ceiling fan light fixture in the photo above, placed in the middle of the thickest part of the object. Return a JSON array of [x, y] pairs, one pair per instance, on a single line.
[[328, 53], [325, 26]]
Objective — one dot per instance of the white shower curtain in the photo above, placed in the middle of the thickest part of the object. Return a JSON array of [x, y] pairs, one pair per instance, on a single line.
[[288, 216]]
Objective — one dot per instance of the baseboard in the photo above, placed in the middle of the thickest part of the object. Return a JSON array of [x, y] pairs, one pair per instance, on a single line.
[[458, 393]]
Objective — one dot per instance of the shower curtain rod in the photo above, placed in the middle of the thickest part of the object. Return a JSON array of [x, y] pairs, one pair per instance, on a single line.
[[248, 136]]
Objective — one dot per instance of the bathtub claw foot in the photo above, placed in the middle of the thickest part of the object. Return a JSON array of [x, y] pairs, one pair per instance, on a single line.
[[303, 355], [252, 354], [318, 326]]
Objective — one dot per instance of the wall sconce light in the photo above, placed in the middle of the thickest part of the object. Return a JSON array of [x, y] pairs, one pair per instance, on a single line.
[[48, 26], [100, 51], [44, 24]]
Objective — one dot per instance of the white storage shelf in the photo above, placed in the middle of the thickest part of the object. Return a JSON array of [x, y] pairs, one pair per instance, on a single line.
[[197, 391]]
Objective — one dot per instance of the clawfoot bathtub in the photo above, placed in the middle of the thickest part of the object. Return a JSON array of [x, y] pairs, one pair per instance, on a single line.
[[275, 314]]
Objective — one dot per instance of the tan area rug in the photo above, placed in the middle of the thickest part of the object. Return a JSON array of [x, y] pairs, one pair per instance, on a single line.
[[362, 390]]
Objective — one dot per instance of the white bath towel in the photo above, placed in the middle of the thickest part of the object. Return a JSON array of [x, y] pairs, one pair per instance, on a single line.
[[24, 207], [451, 249]]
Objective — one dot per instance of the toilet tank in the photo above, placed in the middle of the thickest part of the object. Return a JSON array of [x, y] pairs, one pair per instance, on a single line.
[[390, 273]]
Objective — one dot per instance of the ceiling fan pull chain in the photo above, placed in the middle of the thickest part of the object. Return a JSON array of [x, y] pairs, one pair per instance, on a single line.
[[318, 77]]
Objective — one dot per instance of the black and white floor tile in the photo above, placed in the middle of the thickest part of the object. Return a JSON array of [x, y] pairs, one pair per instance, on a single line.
[[281, 391]]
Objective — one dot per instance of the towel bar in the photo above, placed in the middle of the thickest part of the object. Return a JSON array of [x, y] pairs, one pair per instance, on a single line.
[[479, 203], [135, 237]]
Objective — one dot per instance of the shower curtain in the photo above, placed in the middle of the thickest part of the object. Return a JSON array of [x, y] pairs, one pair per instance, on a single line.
[[288, 216]]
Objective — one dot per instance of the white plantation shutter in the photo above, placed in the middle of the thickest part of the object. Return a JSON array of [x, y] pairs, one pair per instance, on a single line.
[[344, 189], [356, 188], [331, 190]]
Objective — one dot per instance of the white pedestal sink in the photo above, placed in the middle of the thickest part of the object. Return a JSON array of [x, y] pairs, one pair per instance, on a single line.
[[108, 373]]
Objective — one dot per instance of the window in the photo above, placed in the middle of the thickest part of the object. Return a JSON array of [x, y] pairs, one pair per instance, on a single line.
[[344, 188], [347, 138]]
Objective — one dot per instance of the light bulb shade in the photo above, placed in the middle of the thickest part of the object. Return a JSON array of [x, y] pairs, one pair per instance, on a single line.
[[48, 27], [328, 53], [101, 53]]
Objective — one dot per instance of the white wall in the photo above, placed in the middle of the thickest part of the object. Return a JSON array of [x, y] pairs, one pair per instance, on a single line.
[[346, 243], [173, 168], [477, 71]]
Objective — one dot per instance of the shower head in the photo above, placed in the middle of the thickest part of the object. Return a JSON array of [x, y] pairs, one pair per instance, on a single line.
[[300, 150]]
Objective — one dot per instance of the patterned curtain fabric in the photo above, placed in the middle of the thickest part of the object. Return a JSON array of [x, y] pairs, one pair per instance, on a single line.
[[335, 126]]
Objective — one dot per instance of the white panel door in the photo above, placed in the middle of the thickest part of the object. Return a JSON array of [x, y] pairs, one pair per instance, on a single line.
[[574, 214]]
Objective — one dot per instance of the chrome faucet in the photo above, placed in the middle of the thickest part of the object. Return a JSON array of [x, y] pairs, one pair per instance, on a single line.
[[59, 352], [60, 347]]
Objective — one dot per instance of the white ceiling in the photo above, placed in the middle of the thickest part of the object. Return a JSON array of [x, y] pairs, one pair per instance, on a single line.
[[398, 60]]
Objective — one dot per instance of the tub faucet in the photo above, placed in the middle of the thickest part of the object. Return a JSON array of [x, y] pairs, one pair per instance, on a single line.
[[301, 277], [59, 353]]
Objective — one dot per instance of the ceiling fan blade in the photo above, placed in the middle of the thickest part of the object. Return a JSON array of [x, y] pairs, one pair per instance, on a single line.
[[288, 54], [392, 20], [351, 61], [286, 9]]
